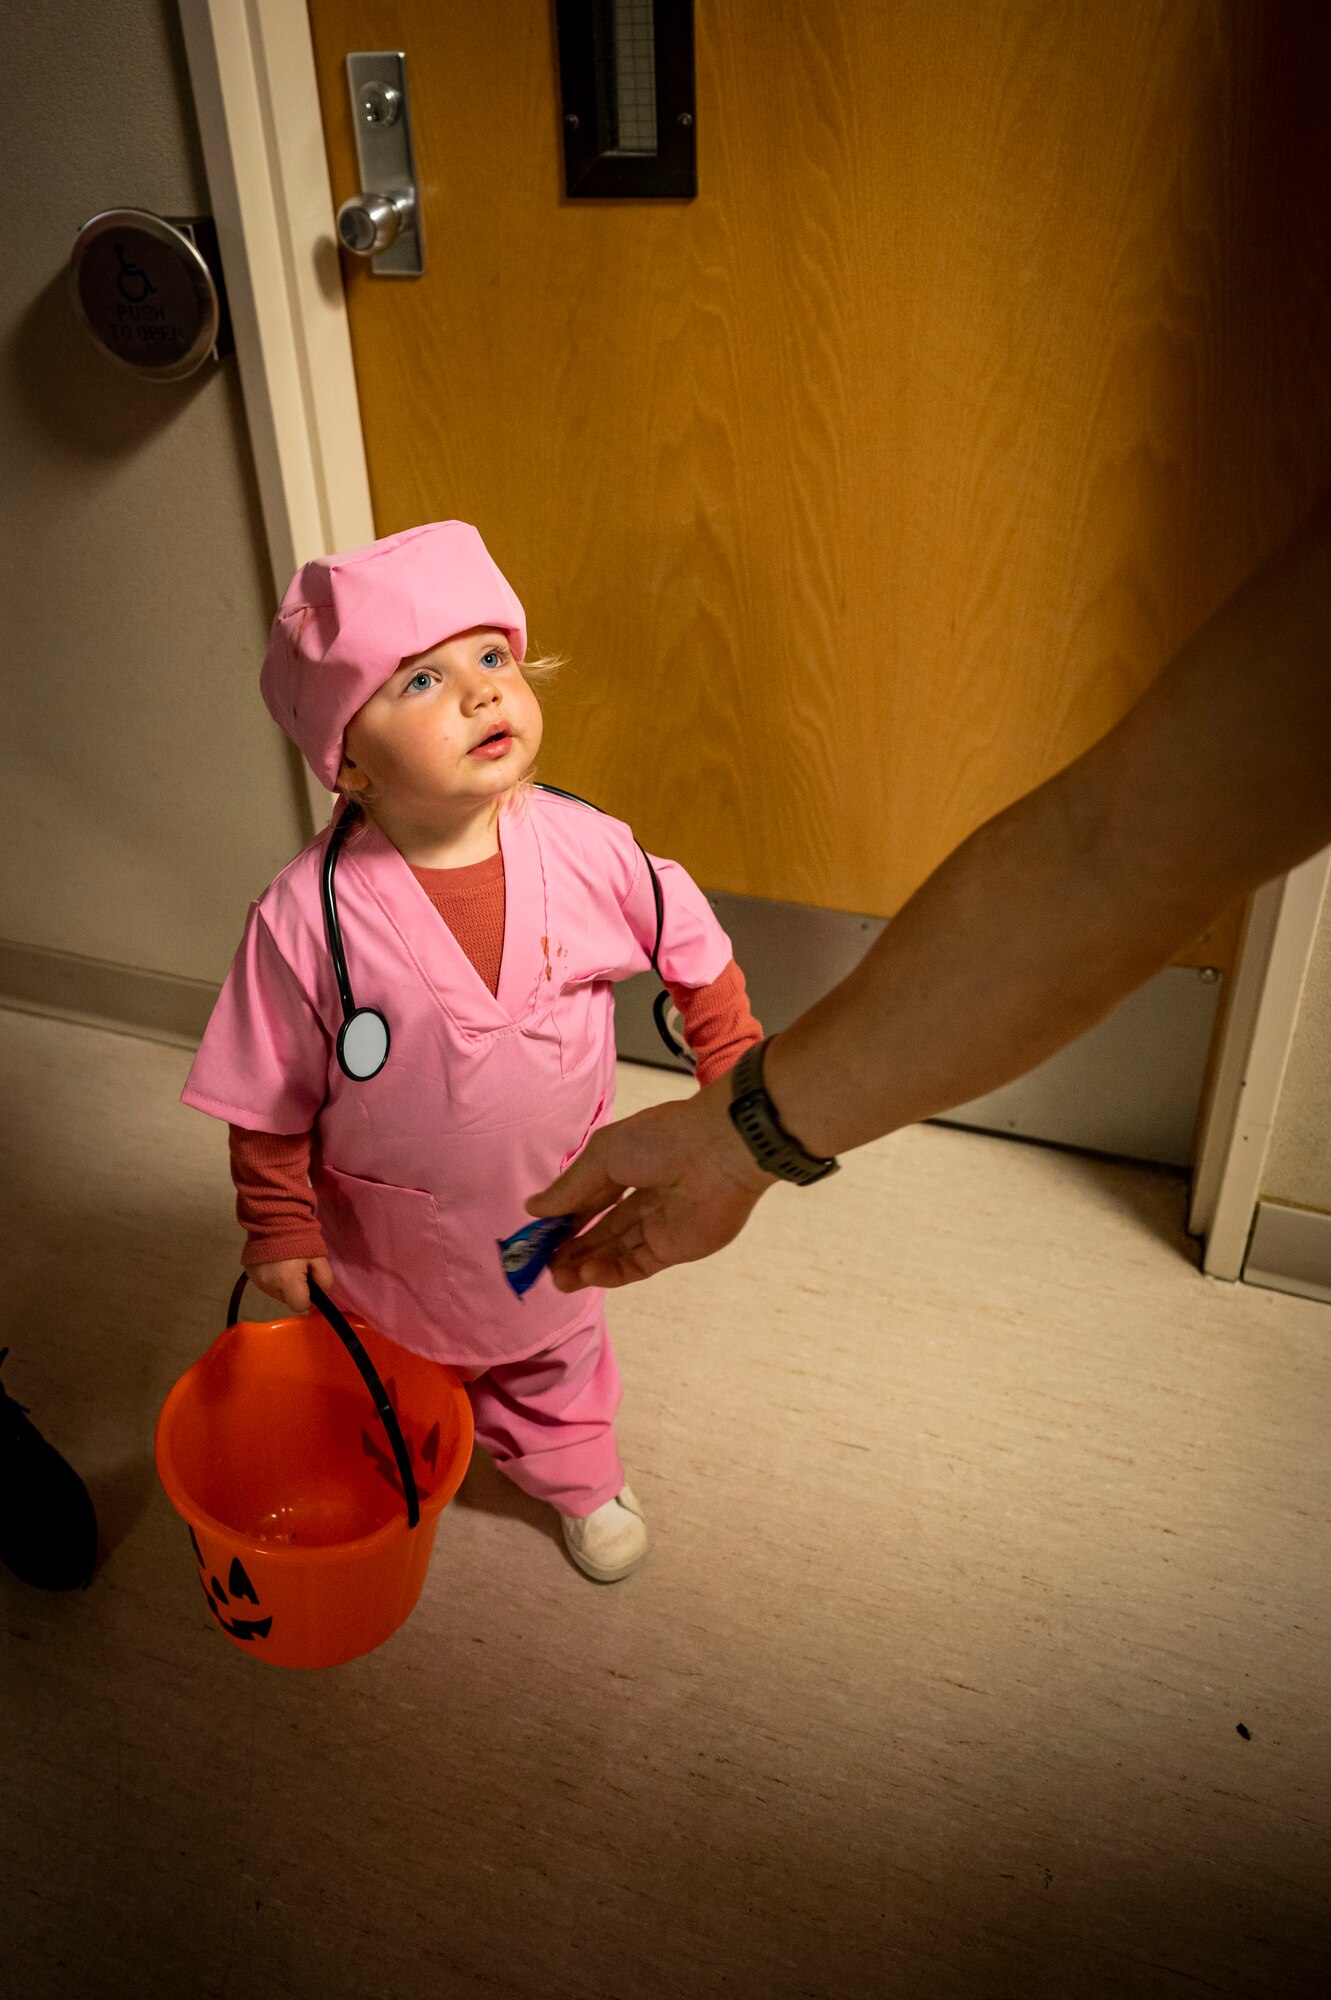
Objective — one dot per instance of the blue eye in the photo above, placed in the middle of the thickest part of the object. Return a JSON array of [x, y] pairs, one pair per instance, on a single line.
[[421, 680], [492, 657]]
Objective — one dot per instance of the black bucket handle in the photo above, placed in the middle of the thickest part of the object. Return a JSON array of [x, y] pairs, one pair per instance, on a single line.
[[369, 1374]]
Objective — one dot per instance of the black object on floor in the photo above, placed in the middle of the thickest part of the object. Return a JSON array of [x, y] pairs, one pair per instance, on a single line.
[[48, 1525]]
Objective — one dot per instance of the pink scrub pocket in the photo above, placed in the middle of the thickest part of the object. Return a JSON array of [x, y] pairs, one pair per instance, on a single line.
[[386, 1245], [602, 1106]]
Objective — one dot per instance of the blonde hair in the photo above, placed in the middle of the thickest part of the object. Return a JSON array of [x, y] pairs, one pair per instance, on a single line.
[[538, 674]]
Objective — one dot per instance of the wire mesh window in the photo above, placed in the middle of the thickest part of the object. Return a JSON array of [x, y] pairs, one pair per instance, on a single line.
[[630, 38], [626, 83]]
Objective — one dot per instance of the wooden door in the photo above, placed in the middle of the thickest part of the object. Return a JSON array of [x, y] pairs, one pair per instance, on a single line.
[[868, 488]]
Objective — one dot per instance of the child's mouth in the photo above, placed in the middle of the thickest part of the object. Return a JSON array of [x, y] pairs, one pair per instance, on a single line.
[[494, 745]]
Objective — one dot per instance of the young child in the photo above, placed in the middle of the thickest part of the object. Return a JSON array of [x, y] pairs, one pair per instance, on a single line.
[[486, 920]]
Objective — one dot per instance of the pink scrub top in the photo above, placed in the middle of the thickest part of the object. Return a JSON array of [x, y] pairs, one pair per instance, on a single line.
[[484, 1097]]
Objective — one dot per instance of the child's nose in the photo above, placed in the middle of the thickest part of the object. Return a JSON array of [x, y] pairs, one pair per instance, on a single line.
[[481, 691]]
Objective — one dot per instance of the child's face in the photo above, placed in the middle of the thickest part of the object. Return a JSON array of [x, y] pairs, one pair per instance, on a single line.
[[453, 726]]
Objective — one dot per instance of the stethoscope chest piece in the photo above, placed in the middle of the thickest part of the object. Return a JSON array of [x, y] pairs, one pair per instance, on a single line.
[[362, 1044]]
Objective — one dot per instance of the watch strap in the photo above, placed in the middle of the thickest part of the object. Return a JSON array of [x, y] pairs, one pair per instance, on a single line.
[[753, 1115]]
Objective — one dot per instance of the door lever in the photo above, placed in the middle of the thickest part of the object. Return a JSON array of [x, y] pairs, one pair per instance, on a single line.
[[383, 222]]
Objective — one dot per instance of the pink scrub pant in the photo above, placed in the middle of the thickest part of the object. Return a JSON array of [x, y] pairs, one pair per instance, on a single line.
[[549, 1422]]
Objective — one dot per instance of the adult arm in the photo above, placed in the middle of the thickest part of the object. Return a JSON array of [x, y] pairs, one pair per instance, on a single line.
[[1216, 780]]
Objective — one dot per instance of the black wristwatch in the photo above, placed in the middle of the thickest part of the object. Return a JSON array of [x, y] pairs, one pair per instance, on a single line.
[[753, 1116]]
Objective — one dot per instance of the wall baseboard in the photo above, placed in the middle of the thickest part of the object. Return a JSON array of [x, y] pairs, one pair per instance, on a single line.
[[157, 1005], [1290, 1251]]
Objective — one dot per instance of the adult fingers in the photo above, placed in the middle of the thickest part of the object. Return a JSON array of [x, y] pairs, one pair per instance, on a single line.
[[614, 1251], [608, 1269]]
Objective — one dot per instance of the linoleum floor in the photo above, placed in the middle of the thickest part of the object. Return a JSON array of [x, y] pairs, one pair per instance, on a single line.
[[981, 1521]]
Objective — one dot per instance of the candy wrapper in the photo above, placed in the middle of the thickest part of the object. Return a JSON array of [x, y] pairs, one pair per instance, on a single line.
[[525, 1254]]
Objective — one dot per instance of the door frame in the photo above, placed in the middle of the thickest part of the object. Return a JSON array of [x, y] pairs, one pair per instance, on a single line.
[[273, 209], [1257, 1033]]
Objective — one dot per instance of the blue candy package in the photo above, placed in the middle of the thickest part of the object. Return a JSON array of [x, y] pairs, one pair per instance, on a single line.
[[525, 1254]]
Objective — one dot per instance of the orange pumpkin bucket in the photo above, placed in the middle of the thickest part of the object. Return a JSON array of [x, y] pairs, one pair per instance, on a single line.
[[311, 1507]]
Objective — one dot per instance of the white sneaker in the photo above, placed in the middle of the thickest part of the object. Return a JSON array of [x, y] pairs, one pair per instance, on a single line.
[[606, 1545]]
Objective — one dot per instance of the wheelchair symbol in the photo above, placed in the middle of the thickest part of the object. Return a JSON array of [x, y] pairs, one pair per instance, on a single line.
[[133, 283]]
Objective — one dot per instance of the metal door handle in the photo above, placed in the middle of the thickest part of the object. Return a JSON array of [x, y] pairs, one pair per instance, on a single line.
[[368, 223]]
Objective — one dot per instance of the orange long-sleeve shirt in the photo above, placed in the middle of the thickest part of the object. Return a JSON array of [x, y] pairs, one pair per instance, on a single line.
[[271, 1170]]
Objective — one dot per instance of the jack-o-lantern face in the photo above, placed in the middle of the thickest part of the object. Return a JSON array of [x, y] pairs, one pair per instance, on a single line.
[[239, 1588]]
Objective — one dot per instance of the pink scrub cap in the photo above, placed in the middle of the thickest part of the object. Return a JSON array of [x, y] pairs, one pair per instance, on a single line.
[[347, 623]]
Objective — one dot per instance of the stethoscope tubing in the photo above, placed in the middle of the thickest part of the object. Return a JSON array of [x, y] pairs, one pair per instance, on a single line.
[[352, 1014], [341, 828]]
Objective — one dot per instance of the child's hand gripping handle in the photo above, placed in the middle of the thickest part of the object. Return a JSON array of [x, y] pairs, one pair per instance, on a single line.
[[369, 1374]]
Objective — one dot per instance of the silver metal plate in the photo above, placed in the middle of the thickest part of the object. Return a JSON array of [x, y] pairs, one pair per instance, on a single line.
[[1130, 1087], [386, 155]]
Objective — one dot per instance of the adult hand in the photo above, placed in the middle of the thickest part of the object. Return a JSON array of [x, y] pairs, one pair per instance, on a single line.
[[694, 1186], [288, 1280]]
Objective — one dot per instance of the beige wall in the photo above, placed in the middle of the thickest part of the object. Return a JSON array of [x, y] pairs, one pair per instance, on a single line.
[[1298, 1166], [147, 795]]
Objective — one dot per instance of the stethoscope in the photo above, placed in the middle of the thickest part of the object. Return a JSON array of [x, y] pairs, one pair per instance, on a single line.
[[363, 1039]]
